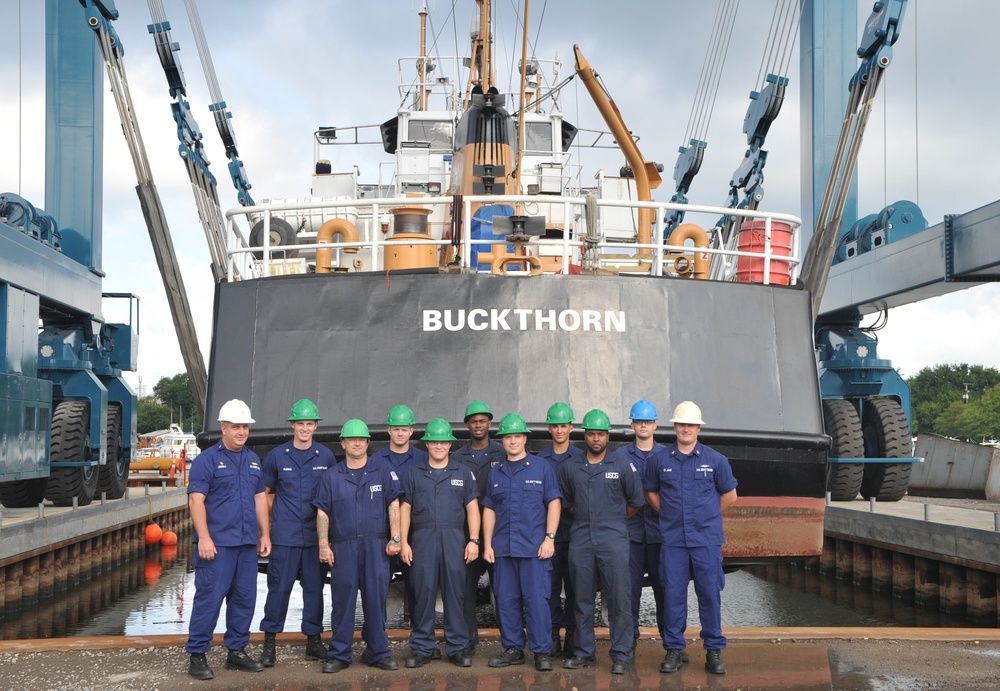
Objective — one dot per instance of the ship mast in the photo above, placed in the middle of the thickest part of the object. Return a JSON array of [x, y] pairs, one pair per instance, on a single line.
[[523, 110], [481, 69], [424, 91]]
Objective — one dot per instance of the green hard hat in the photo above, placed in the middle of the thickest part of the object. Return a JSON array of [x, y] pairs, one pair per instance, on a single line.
[[597, 419], [512, 423], [438, 429], [304, 409], [477, 408], [400, 416], [355, 428], [559, 414]]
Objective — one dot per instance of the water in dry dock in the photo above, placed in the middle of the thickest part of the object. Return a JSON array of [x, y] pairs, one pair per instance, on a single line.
[[153, 596]]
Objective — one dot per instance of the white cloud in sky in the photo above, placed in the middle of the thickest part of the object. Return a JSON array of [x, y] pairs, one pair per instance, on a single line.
[[286, 68]]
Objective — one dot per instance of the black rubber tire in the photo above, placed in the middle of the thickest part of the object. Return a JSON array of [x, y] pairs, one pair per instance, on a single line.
[[887, 435], [22, 494], [842, 423], [281, 233], [113, 476], [70, 439]]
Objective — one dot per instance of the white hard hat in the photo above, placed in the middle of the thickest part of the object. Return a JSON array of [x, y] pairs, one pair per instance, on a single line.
[[687, 413], [236, 412]]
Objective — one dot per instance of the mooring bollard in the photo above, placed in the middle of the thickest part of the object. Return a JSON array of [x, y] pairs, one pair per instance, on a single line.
[[76, 503], [871, 504], [927, 512], [41, 510], [828, 498], [996, 522]]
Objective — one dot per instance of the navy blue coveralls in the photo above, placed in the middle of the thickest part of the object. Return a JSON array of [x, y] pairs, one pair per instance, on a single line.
[[401, 463], [480, 463], [689, 486], [438, 499], [562, 615], [600, 494], [293, 475], [357, 502], [644, 543], [519, 493], [230, 482]]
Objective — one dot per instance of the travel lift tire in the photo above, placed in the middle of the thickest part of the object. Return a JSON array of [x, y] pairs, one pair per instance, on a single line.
[[886, 434], [843, 480], [70, 439], [22, 494], [113, 475]]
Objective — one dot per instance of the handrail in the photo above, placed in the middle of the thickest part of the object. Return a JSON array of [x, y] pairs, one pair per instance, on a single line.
[[627, 253]]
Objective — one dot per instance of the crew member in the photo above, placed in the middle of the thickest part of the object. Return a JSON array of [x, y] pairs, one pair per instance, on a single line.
[[520, 517], [226, 498], [401, 455], [560, 421], [643, 531], [689, 485], [357, 522], [438, 511], [603, 491], [291, 473], [480, 455]]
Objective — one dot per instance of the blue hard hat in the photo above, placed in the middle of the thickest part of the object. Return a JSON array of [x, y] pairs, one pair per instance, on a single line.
[[642, 410]]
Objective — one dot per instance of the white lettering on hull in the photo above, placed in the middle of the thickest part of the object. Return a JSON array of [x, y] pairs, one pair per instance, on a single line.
[[520, 319]]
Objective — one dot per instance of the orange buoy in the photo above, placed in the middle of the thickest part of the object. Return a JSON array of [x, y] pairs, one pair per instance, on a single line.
[[169, 538], [153, 534]]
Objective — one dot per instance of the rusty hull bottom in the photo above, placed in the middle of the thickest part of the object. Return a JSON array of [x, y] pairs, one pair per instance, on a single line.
[[763, 530]]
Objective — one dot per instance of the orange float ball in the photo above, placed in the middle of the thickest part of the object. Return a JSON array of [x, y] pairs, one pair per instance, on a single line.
[[152, 571], [169, 538], [168, 553], [153, 534]]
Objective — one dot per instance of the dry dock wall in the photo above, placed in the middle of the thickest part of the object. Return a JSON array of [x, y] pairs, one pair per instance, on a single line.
[[44, 556], [936, 565]]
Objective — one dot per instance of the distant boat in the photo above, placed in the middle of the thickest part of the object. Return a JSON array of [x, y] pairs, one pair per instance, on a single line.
[[165, 447]]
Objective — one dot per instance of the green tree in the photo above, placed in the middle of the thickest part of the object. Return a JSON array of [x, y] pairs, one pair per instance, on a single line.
[[175, 393], [151, 415], [934, 389]]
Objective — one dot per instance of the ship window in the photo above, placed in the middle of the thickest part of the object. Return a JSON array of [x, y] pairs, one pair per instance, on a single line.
[[538, 136], [436, 132]]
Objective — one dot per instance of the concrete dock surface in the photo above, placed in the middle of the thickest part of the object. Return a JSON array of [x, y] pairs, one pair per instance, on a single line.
[[884, 659]]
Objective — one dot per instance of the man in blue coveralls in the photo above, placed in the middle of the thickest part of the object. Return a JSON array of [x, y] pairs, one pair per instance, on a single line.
[[560, 421], [604, 491], [689, 485], [231, 529], [480, 455], [438, 507], [520, 517], [357, 510], [291, 473], [643, 531], [401, 455]]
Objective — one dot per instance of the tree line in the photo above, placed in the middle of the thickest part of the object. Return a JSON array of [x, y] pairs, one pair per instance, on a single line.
[[960, 401]]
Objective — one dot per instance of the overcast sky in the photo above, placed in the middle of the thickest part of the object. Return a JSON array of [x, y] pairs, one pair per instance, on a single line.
[[287, 68]]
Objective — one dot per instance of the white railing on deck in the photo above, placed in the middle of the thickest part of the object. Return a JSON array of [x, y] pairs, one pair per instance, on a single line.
[[242, 263]]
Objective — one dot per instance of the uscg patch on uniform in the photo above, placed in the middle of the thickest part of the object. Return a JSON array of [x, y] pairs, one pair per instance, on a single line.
[[375, 488], [457, 483], [611, 476]]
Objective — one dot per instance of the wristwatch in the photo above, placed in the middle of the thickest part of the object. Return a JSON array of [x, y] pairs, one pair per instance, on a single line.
[[551, 535], [474, 540], [396, 539]]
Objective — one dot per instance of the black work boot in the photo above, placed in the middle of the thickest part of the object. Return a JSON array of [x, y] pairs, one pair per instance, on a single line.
[[510, 656], [315, 650], [239, 660], [672, 661], [714, 663], [198, 667], [268, 655]]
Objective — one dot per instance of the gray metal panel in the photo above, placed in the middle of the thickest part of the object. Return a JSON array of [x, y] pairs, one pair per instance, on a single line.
[[357, 346], [913, 269]]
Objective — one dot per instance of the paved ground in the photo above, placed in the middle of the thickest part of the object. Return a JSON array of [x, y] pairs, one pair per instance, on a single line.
[[871, 659]]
